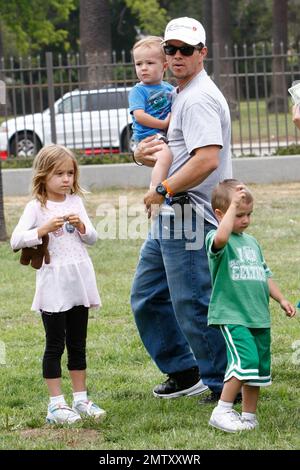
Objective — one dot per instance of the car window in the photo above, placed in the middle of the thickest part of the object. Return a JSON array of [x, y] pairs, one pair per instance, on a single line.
[[108, 100], [73, 104]]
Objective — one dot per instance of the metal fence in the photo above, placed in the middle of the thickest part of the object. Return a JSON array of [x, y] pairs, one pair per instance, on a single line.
[[83, 103]]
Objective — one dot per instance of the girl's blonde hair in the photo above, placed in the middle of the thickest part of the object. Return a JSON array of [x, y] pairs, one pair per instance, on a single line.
[[45, 163], [150, 41]]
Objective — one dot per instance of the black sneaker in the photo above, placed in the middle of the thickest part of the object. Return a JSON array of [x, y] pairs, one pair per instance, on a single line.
[[214, 397], [186, 382]]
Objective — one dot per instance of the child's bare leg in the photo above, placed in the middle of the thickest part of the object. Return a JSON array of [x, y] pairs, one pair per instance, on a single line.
[[58, 410], [54, 386], [81, 403], [78, 378], [223, 416], [250, 398], [161, 168], [231, 389]]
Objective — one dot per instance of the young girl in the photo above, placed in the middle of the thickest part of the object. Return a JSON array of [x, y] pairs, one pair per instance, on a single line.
[[65, 288]]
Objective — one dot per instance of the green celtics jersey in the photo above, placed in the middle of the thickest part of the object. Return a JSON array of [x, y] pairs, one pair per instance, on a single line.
[[240, 292]]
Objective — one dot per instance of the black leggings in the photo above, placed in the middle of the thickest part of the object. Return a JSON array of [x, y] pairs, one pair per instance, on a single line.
[[65, 328]]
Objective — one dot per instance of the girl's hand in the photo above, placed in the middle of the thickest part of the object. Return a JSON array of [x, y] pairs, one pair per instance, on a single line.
[[289, 309], [51, 226], [74, 219]]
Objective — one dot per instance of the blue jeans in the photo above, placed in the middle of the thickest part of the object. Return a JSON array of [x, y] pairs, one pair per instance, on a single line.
[[170, 297]]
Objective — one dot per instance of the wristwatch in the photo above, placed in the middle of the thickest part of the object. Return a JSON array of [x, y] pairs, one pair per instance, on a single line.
[[160, 189]]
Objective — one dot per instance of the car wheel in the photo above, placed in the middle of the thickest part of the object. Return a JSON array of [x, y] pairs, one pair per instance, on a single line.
[[127, 144], [25, 144]]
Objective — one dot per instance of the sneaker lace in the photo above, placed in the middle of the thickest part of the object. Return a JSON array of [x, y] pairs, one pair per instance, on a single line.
[[233, 415], [87, 406], [91, 404], [59, 407], [249, 423]]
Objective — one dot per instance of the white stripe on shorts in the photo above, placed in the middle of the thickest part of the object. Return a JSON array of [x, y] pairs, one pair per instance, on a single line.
[[235, 364]]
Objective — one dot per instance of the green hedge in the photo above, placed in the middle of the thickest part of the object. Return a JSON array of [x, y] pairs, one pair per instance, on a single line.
[[14, 162]]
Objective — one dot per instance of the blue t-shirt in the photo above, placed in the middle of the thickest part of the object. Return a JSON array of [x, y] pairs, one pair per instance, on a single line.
[[155, 100]]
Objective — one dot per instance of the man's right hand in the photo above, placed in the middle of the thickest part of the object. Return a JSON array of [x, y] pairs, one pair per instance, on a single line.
[[145, 150]]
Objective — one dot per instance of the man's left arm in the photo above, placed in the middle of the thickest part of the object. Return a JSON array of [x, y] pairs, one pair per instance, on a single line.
[[204, 161]]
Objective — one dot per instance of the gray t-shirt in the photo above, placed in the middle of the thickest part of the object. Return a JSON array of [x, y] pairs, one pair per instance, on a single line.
[[200, 117]]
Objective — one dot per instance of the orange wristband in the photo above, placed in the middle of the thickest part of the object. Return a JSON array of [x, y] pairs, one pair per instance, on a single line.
[[167, 187]]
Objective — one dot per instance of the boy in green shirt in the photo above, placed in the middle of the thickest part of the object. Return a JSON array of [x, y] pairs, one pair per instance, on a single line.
[[239, 305]]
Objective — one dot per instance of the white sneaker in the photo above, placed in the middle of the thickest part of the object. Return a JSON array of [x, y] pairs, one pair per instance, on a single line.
[[249, 424], [61, 414], [228, 420], [88, 408]]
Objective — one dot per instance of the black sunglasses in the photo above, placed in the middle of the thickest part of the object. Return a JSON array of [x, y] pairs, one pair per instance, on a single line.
[[184, 50]]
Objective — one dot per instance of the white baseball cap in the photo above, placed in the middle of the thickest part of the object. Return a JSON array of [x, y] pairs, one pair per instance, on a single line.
[[186, 30]]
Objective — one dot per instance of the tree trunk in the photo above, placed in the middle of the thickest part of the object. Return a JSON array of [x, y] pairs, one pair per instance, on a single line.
[[95, 43], [222, 37], [278, 99], [207, 23], [1, 42]]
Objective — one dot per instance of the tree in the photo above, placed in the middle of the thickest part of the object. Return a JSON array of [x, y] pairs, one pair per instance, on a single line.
[[251, 20], [34, 22], [1, 43], [123, 23], [152, 18], [207, 23], [293, 22], [95, 41], [221, 28], [178, 8], [278, 99]]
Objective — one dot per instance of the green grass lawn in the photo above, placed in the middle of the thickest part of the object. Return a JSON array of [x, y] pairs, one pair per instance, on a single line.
[[120, 374]]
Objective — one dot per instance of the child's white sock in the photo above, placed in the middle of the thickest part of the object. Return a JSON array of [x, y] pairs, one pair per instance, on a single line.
[[58, 400], [248, 416], [224, 405], [80, 396]]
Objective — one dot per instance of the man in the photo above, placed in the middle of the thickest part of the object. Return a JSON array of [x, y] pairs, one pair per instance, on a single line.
[[172, 286]]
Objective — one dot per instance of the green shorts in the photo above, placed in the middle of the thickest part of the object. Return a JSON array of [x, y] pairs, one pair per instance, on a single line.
[[248, 354]]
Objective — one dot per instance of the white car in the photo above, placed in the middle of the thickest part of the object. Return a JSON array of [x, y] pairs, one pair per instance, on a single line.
[[84, 119]]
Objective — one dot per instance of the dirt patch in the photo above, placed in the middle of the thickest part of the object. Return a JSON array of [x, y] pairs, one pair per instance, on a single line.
[[72, 438]]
